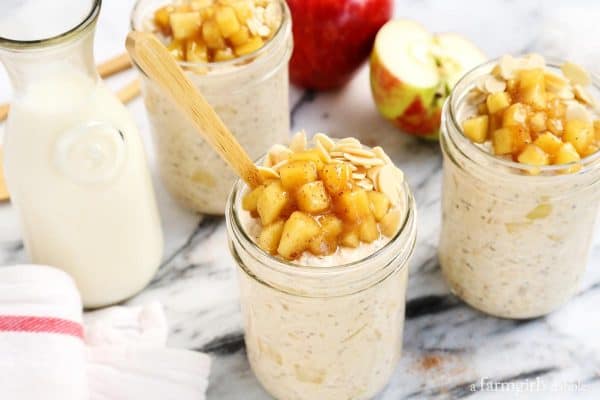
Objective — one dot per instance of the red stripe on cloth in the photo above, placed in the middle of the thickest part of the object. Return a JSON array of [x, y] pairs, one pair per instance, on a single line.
[[9, 323]]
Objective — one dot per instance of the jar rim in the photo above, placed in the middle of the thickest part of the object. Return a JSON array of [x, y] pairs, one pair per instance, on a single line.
[[458, 96], [286, 267], [88, 20], [284, 26]]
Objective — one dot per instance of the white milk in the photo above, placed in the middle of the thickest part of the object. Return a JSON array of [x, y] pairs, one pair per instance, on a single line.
[[77, 173]]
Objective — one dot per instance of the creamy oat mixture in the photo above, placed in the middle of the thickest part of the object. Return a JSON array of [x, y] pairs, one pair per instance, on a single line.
[[344, 347], [341, 346], [251, 98], [513, 244]]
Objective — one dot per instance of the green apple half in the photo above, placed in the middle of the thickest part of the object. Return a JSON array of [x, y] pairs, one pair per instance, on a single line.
[[413, 71]]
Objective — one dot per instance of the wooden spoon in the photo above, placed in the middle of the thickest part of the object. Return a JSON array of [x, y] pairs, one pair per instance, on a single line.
[[152, 57]]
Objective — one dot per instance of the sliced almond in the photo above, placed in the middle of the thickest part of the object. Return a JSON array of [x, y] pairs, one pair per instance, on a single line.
[[298, 142], [280, 164], [387, 183], [278, 153], [325, 141], [583, 95], [579, 112], [554, 82], [390, 223], [399, 176], [267, 161], [494, 85], [323, 152], [358, 176], [476, 97], [349, 141], [373, 172], [531, 61], [357, 151], [337, 154], [365, 184], [565, 93], [353, 168], [380, 153], [576, 74], [363, 161], [480, 83], [507, 66], [267, 173]]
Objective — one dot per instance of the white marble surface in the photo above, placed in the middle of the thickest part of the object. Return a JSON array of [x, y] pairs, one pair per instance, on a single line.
[[448, 346]]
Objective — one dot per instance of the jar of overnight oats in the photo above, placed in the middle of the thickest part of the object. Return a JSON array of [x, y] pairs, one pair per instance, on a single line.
[[515, 238], [323, 327], [249, 92]]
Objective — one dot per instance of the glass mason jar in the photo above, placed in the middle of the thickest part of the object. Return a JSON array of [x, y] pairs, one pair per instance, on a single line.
[[75, 163], [513, 243], [315, 332], [249, 93]]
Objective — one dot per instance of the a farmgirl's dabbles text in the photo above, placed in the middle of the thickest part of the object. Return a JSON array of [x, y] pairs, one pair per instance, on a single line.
[[322, 249], [520, 196]]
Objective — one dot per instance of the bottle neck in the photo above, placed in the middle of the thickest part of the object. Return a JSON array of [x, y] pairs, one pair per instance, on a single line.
[[45, 61]]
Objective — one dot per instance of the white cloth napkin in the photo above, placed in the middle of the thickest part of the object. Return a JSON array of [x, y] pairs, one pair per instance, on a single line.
[[48, 350]]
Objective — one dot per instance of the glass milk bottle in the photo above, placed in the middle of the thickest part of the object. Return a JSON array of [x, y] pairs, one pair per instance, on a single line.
[[75, 164]]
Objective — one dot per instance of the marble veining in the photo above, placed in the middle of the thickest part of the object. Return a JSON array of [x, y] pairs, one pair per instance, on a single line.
[[450, 350]]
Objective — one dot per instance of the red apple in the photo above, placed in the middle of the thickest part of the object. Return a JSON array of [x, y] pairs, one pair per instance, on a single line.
[[413, 71], [332, 38]]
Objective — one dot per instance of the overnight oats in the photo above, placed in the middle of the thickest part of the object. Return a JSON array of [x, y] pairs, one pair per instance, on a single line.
[[323, 248], [236, 53], [521, 185]]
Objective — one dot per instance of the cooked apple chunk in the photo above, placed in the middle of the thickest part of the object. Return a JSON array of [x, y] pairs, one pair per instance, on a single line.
[[309, 155], [331, 226], [515, 115], [327, 240], [533, 155], [567, 154], [272, 203], [379, 204], [390, 223], [297, 173], [350, 238], [185, 25], [270, 235], [298, 230], [368, 231], [250, 200], [476, 128], [579, 134], [532, 88], [250, 46], [337, 178], [353, 206], [227, 21], [313, 198], [497, 102], [548, 142]]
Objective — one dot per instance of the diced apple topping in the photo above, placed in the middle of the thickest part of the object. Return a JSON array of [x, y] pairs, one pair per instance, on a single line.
[[337, 193], [533, 115], [216, 30]]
